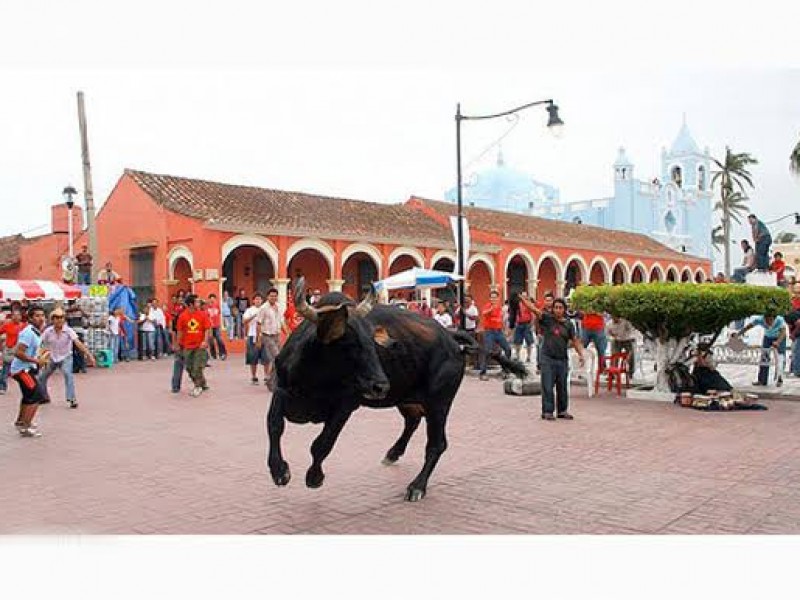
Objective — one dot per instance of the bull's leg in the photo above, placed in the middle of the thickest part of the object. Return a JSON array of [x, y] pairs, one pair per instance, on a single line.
[[278, 467], [412, 418], [437, 444], [322, 446]]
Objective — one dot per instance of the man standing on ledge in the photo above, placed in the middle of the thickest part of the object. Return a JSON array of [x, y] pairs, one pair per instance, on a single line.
[[762, 240], [193, 327]]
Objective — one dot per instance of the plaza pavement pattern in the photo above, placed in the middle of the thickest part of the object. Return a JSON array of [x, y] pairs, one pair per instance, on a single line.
[[135, 458]]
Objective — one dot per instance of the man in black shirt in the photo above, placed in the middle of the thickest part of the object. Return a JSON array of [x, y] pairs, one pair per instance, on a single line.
[[557, 334]]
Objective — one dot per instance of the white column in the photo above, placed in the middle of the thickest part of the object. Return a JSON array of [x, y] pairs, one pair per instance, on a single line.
[[335, 285], [283, 286]]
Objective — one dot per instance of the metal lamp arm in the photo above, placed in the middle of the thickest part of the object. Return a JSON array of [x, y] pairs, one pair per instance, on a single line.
[[502, 114]]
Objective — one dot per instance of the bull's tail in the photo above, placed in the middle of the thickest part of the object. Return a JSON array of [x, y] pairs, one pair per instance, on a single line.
[[508, 365]]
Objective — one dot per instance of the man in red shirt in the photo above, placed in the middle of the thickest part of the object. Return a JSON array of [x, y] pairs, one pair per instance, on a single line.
[[10, 329], [522, 328], [193, 328], [215, 318], [779, 267], [492, 319], [594, 331]]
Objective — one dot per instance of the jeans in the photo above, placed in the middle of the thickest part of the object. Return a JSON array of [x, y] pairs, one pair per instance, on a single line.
[[762, 253], [4, 375], [795, 368], [490, 338], [69, 379], [238, 331], [763, 371], [523, 334], [124, 352], [162, 341], [739, 274], [600, 344], [228, 324], [177, 371], [114, 348], [84, 278], [216, 343], [554, 375], [148, 344]]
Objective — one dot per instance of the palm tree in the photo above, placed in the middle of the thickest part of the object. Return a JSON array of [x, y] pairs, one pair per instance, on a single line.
[[717, 239], [794, 159], [732, 174]]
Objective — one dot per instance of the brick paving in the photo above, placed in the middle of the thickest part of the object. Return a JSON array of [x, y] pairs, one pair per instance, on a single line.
[[135, 458]]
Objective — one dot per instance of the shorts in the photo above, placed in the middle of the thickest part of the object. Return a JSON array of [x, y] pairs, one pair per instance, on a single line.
[[523, 333], [272, 346], [256, 355], [29, 384]]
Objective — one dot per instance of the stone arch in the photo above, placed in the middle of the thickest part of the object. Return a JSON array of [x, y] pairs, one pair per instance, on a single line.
[[672, 273], [415, 254], [485, 259], [323, 248], [639, 273], [174, 255], [686, 275], [259, 241], [581, 273], [699, 275], [448, 254], [480, 276], [657, 273], [513, 277], [621, 267], [367, 249], [604, 271], [548, 274]]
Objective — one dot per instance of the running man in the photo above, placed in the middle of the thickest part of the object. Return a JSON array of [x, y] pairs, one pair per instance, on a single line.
[[193, 328], [25, 368], [59, 339]]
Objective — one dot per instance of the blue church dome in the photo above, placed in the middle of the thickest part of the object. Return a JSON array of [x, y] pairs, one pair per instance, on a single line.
[[505, 188]]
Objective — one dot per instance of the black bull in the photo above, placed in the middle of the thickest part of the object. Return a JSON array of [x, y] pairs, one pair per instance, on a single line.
[[343, 357]]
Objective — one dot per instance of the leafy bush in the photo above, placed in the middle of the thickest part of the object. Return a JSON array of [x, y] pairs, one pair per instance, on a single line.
[[676, 310]]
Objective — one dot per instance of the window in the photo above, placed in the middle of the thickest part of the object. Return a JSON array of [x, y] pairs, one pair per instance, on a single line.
[[677, 176], [670, 221], [701, 178], [143, 274]]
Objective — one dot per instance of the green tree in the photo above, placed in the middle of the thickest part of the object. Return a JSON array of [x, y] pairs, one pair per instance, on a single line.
[[732, 175], [717, 239], [670, 313], [785, 237]]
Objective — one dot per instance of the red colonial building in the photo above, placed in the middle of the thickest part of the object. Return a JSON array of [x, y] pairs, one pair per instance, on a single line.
[[163, 233]]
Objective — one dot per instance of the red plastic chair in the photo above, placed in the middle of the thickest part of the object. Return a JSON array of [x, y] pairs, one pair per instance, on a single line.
[[616, 367]]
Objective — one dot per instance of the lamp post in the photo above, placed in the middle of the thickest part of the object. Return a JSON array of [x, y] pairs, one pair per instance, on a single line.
[[68, 193], [554, 124]]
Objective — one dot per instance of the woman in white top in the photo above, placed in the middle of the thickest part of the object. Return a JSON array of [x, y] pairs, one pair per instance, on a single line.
[[442, 316], [748, 263]]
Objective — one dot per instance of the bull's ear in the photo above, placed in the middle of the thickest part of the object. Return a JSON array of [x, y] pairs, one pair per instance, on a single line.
[[332, 325], [381, 337]]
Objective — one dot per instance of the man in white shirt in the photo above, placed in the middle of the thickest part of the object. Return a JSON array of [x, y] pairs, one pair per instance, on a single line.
[[270, 325], [442, 316], [59, 339], [161, 345], [147, 320], [256, 353]]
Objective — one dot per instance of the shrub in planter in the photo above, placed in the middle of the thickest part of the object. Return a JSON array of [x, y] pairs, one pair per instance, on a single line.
[[670, 313]]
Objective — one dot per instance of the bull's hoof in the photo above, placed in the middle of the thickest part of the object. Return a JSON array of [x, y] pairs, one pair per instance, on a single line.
[[314, 478], [281, 476], [414, 494], [388, 460]]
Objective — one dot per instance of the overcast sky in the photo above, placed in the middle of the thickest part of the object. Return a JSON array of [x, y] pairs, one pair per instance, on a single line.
[[359, 103]]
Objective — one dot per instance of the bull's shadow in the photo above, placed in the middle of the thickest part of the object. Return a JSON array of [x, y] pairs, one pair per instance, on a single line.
[[345, 356]]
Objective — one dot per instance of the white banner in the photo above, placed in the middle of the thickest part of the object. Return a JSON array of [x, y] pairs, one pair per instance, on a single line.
[[465, 226]]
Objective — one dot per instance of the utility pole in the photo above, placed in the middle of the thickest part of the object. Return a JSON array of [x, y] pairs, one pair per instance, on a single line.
[[87, 185]]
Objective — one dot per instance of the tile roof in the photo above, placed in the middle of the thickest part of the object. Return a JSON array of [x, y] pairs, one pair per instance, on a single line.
[[9, 251], [224, 205], [550, 232]]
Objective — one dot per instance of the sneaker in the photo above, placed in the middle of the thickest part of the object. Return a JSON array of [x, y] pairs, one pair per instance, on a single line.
[[178, 391], [225, 357], [206, 388], [254, 381], [196, 392], [152, 358], [31, 432], [548, 417], [566, 415], [779, 383], [72, 403], [758, 383]]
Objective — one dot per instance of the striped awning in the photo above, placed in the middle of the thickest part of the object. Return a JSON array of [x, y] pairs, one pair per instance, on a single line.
[[22, 289]]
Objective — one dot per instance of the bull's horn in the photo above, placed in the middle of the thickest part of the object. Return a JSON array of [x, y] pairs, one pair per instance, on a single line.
[[366, 304], [300, 303]]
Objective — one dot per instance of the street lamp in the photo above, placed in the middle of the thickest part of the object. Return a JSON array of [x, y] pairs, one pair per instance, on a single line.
[[68, 193], [555, 126]]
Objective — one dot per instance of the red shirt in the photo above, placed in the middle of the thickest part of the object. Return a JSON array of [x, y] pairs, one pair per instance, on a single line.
[[11, 330], [778, 267], [795, 303], [593, 322], [524, 314], [493, 317], [193, 324], [214, 316]]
